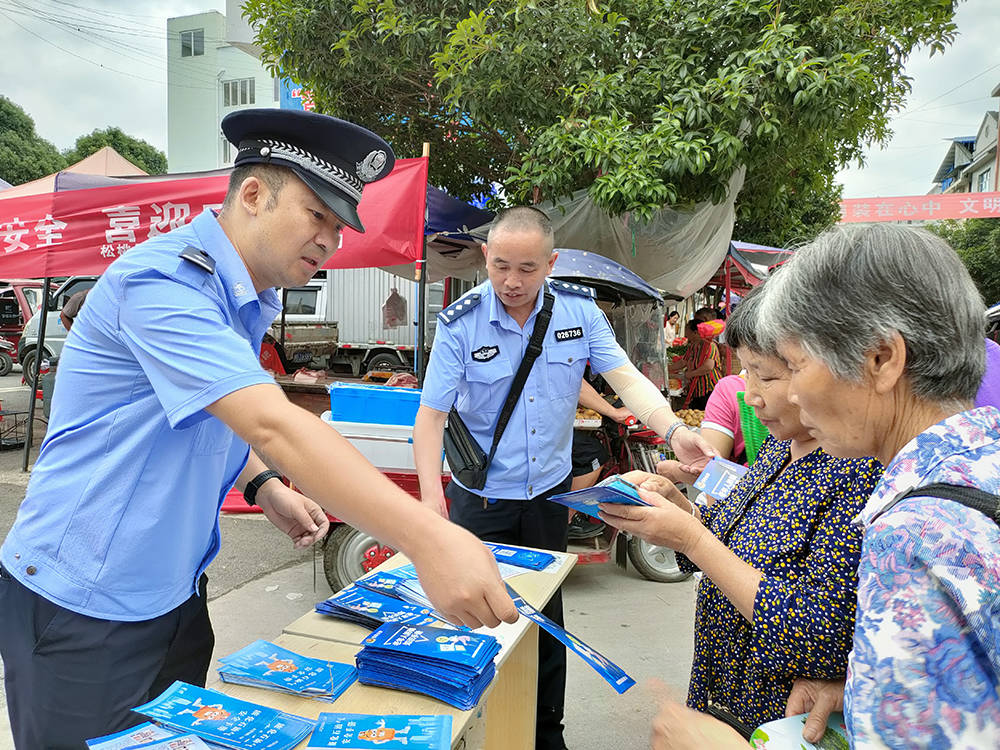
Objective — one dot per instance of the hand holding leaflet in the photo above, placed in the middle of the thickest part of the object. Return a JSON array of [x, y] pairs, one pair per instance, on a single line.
[[614, 489]]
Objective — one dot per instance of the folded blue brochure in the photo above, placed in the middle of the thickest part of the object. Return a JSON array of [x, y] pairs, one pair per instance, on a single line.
[[176, 742], [267, 665], [225, 720], [361, 731], [614, 489], [611, 672], [523, 558], [140, 735], [371, 608], [719, 478]]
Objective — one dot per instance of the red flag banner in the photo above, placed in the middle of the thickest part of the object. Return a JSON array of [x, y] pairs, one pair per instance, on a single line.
[[921, 208], [83, 231]]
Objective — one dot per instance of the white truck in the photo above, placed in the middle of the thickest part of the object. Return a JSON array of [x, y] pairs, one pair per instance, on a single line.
[[335, 321]]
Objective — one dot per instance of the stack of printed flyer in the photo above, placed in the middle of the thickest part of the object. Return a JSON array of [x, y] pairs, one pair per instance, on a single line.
[[147, 735], [267, 665], [370, 608], [454, 666], [358, 731], [223, 721]]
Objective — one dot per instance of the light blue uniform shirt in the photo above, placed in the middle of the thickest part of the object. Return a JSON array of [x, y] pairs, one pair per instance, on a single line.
[[121, 515], [477, 349]]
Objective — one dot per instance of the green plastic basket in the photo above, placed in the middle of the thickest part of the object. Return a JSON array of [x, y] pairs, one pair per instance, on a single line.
[[753, 431]]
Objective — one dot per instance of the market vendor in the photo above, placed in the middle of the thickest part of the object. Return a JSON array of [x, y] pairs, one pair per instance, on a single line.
[[478, 347], [161, 407]]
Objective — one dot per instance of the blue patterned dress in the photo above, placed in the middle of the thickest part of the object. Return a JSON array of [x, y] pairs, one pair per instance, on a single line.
[[926, 659], [795, 527]]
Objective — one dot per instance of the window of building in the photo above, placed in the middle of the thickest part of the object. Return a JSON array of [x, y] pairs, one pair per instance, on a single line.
[[193, 43], [985, 183], [238, 92], [226, 150]]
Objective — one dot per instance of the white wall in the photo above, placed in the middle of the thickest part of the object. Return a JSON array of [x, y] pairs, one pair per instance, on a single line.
[[195, 102]]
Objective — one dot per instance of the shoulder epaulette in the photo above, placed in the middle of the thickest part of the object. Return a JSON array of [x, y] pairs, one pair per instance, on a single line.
[[199, 258], [455, 311], [567, 286]]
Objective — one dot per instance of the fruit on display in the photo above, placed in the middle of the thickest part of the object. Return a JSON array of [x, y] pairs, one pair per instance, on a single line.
[[691, 417], [582, 413]]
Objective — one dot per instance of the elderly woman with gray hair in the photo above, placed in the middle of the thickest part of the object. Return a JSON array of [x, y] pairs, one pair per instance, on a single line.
[[882, 329]]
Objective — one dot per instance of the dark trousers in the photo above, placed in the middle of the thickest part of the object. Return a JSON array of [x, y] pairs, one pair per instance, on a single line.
[[532, 523], [70, 677]]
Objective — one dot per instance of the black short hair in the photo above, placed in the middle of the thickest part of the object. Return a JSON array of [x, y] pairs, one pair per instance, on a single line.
[[522, 218], [272, 175], [705, 314]]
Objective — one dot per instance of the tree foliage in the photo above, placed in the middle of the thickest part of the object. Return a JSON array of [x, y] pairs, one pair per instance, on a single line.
[[641, 102], [977, 242], [144, 155], [24, 155]]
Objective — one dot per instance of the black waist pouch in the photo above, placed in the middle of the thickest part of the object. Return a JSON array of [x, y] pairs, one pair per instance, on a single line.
[[467, 461]]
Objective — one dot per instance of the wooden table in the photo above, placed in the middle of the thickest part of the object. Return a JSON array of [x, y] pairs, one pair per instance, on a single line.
[[505, 718]]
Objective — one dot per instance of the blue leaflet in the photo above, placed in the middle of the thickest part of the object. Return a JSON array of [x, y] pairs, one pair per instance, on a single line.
[[372, 608], [175, 742], [614, 489], [264, 664], [522, 558], [360, 731], [454, 666], [142, 734], [402, 587], [719, 478], [226, 720], [610, 671]]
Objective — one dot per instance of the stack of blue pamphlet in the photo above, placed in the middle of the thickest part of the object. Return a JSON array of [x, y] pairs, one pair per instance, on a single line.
[[400, 586], [267, 665], [370, 608], [224, 720], [532, 559], [614, 489], [357, 731], [454, 666]]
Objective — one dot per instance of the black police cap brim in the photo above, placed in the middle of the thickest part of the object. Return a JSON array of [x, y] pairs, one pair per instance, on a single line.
[[344, 209]]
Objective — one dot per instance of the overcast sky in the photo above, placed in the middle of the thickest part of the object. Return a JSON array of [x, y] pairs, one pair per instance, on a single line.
[[105, 65]]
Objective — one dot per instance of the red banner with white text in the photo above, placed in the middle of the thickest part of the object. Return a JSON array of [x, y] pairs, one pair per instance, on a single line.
[[921, 208], [82, 231]]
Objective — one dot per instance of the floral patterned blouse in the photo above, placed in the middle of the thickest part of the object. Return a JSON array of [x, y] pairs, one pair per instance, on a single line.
[[794, 527], [925, 668]]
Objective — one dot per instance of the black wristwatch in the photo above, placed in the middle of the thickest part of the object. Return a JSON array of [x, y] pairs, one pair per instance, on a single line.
[[250, 491]]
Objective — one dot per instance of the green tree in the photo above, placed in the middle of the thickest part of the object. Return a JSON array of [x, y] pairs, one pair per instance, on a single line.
[[24, 155], [977, 242], [641, 102], [144, 155]]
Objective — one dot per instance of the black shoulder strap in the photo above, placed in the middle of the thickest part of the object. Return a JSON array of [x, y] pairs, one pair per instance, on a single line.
[[530, 355], [971, 497]]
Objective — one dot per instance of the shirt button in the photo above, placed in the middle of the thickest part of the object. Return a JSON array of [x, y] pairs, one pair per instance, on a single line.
[[30, 570], [570, 359], [529, 489], [17, 555], [532, 430], [531, 398], [532, 459]]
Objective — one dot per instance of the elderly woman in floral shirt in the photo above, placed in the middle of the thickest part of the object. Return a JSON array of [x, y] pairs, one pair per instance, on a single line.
[[882, 328]]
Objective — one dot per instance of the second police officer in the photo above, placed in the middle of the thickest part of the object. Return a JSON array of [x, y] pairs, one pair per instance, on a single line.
[[478, 347]]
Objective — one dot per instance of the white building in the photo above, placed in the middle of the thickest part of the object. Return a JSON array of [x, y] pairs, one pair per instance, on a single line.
[[212, 70]]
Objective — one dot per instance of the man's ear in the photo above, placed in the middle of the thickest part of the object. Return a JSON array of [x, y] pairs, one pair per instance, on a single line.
[[886, 364], [552, 262], [484, 249], [252, 195]]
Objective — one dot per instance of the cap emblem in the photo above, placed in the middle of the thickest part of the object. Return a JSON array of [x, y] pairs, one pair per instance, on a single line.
[[371, 166]]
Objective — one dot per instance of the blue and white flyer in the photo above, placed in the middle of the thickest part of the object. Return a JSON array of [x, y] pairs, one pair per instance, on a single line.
[[361, 731], [786, 734], [611, 672], [522, 558], [719, 477], [267, 665], [372, 608], [225, 720], [127, 738], [614, 489], [175, 742]]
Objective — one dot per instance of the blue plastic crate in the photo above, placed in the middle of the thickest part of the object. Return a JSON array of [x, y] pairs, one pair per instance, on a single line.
[[374, 404]]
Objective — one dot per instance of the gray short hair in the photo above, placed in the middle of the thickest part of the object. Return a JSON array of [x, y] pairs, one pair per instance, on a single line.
[[742, 327], [850, 289]]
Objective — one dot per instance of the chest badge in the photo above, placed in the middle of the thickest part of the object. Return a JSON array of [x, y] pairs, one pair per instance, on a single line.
[[485, 353], [568, 334], [240, 289]]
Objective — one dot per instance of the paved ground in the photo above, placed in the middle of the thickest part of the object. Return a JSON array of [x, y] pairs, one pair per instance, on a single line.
[[259, 583]]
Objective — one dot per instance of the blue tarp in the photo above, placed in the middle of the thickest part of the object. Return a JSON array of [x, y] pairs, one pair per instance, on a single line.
[[597, 271]]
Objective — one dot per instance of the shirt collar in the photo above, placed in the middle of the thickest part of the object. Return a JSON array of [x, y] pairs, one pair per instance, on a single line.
[[232, 272], [965, 432], [499, 314]]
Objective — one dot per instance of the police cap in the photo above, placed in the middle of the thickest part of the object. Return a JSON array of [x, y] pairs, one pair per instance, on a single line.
[[335, 158]]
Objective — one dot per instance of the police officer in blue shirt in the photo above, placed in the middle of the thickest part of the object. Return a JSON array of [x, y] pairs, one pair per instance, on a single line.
[[478, 346], [161, 407]]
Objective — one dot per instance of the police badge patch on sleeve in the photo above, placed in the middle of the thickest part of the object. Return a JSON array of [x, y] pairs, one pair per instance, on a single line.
[[485, 353], [568, 334]]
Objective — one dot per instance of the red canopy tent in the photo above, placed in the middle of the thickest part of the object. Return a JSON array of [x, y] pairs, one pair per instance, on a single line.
[[73, 232]]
